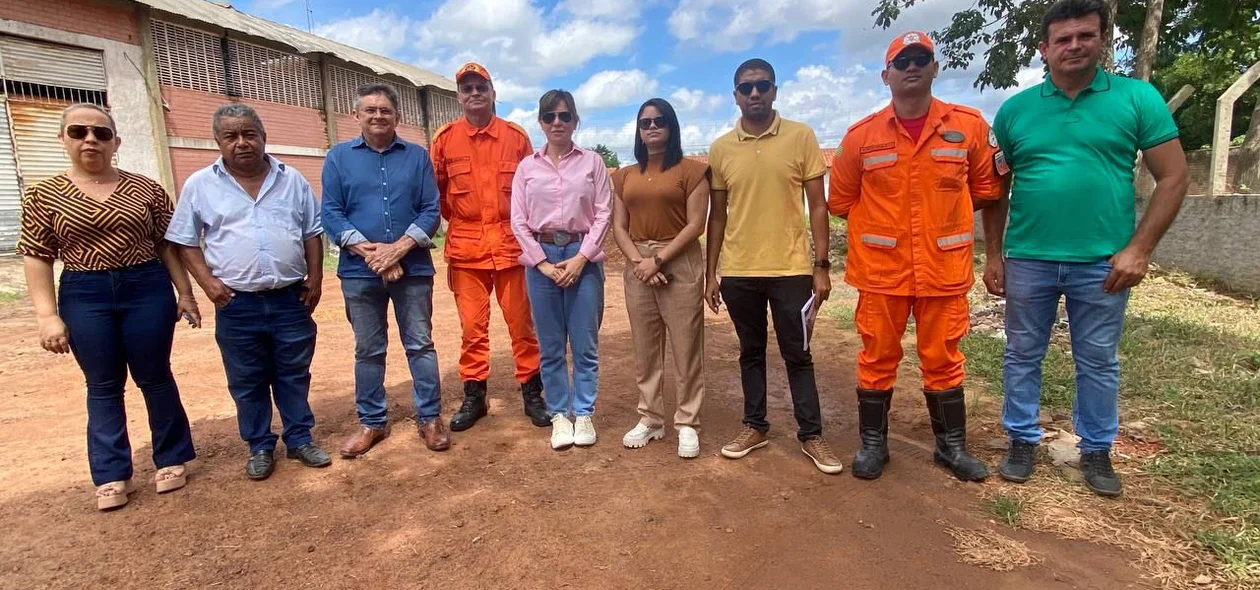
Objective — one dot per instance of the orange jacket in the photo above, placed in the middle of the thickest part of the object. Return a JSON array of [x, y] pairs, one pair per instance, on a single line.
[[474, 169], [909, 205]]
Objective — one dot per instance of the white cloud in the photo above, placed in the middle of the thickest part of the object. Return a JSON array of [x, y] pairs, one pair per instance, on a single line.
[[511, 91], [607, 9], [830, 100], [614, 88], [665, 69], [695, 102], [379, 31]]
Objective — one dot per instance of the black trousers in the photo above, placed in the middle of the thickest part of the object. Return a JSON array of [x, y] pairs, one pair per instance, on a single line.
[[746, 300]]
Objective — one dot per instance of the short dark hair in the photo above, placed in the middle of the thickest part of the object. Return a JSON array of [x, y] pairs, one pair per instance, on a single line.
[[1074, 9], [755, 63], [236, 110], [555, 97], [673, 151], [374, 89]]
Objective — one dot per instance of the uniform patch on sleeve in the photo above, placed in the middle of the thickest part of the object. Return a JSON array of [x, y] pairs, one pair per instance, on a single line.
[[992, 139], [999, 164]]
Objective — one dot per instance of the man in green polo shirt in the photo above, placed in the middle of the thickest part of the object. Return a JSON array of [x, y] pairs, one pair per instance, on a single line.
[[1071, 143]]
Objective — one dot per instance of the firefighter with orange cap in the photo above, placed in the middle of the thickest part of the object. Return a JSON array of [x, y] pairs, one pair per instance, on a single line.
[[474, 159], [908, 179]]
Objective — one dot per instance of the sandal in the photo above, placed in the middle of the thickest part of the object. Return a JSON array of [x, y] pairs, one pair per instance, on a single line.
[[113, 495], [169, 479]]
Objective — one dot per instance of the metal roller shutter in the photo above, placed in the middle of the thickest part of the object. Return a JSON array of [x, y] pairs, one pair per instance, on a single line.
[[52, 65], [10, 191], [35, 127]]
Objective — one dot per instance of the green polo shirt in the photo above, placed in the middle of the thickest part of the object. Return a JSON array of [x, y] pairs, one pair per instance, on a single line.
[[1072, 194]]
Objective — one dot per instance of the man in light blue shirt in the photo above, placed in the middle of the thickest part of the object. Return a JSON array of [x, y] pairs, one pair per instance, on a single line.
[[262, 265]]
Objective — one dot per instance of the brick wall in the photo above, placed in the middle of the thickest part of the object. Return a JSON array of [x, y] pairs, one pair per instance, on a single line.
[[411, 133], [348, 128], [191, 114], [185, 161], [99, 18]]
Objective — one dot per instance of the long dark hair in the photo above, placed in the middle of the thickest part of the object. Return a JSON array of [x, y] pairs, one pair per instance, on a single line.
[[673, 151]]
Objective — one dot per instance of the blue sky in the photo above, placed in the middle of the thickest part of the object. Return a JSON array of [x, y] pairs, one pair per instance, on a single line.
[[614, 55]]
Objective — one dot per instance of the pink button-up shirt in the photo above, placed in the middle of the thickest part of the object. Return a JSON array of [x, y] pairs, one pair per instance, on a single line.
[[574, 197]]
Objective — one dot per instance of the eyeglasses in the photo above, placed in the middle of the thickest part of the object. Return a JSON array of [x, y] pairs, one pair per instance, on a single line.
[[565, 117], [650, 122], [482, 87], [77, 132], [375, 111], [902, 62], [762, 86]]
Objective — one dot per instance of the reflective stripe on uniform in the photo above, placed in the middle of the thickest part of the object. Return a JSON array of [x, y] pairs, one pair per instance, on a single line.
[[946, 241], [950, 152], [885, 241], [873, 160]]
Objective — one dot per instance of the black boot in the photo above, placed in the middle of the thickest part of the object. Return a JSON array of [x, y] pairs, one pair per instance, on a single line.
[[948, 410], [535, 408], [473, 408], [873, 407], [1098, 473]]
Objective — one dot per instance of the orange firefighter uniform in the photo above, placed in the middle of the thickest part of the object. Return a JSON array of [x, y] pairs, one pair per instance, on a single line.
[[910, 234], [474, 168]]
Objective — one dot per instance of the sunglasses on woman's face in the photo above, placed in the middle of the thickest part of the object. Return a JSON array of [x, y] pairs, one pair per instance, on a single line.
[[649, 122], [77, 132], [565, 117], [762, 86], [902, 62]]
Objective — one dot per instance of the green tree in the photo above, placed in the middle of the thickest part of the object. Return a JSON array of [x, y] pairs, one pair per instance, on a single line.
[[610, 157], [1205, 43]]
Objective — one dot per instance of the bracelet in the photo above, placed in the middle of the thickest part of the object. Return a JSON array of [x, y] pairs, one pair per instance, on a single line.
[[657, 259]]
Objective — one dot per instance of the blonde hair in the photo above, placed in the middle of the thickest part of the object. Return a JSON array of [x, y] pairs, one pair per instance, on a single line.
[[87, 105]]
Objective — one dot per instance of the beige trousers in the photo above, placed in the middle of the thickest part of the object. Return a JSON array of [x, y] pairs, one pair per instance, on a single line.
[[675, 309]]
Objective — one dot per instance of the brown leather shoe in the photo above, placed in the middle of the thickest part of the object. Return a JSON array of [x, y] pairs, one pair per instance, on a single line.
[[435, 435], [362, 441]]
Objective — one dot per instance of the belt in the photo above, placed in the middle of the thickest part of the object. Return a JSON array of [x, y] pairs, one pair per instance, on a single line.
[[560, 238], [274, 292]]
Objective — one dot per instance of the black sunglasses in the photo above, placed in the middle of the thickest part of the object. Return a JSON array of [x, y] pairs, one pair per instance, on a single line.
[[565, 117], [762, 86], [649, 122], [902, 62], [80, 131], [482, 87]]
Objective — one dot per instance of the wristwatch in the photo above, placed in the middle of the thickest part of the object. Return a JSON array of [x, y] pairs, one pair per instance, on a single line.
[[657, 259], [824, 264]]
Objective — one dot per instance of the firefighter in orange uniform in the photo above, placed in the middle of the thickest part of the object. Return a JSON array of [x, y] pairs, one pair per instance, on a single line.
[[474, 159], [908, 179]]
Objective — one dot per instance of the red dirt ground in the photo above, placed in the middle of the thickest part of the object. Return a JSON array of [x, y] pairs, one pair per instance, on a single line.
[[500, 509]]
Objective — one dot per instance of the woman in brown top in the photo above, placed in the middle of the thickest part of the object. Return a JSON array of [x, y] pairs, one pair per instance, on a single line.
[[117, 311], [658, 216]]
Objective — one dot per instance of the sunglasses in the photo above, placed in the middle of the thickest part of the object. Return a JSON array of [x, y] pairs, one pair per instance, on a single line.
[[902, 62], [549, 118], [482, 87], [80, 131], [762, 86], [650, 122]]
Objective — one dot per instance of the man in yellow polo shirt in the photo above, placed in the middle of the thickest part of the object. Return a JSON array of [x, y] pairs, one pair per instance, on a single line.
[[763, 173]]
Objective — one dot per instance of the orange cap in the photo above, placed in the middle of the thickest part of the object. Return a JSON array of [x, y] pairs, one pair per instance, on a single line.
[[908, 39], [472, 68]]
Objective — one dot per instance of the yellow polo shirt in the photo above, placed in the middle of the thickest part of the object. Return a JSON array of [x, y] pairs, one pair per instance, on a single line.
[[767, 233]]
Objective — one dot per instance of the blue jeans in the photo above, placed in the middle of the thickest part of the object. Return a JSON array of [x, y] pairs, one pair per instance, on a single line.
[[366, 303], [568, 319], [120, 320], [1095, 319], [267, 340]]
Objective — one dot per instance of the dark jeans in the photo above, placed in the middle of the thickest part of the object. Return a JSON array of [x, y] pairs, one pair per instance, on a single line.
[[267, 340], [120, 320], [746, 300]]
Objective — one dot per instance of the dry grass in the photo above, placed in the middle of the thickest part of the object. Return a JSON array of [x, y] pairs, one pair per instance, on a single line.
[[989, 549]]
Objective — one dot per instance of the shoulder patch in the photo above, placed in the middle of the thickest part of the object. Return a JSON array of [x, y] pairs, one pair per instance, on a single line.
[[969, 110], [865, 120], [517, 128]]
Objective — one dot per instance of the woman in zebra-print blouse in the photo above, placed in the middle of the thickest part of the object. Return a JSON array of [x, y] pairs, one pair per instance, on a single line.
[[115, 310]]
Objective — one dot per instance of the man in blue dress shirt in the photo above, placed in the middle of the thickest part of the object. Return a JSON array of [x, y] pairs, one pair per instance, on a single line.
[[262, 265], [381, 206]]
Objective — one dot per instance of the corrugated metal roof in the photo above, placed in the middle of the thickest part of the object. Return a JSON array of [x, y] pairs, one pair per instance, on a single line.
[[227, 17]]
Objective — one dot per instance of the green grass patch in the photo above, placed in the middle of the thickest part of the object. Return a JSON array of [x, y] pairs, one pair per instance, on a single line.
[[1006, 508], [841, 312], [984, 359], [7, 297]]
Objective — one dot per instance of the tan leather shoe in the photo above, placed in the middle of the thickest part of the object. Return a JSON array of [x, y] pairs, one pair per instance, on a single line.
[[362, 441], [434, 435]]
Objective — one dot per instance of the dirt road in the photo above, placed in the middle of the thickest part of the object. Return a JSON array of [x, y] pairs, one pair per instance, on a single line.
[[500, 509]]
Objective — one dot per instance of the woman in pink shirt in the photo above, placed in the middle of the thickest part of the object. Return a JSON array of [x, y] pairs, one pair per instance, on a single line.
[[561, 208]]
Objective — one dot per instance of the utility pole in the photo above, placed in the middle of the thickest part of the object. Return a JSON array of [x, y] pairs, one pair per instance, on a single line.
[[310, 17]]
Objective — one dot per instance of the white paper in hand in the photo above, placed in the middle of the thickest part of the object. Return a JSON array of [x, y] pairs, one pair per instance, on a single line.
[[809, 314]]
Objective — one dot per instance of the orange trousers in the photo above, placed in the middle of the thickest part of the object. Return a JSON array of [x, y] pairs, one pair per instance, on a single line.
[[472, 289], [940, 323]]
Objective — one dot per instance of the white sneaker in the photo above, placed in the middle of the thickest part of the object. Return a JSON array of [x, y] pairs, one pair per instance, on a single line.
[[641, 435], [561, 432], [688, 443], [584, 432]]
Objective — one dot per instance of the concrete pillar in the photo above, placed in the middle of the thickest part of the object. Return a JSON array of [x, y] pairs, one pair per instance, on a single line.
[[1218, 172]]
